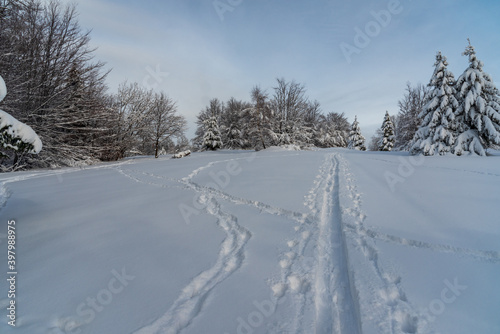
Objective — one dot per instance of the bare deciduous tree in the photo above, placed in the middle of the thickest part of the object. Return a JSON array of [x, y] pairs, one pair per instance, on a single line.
[[164, 122], [408, 121]]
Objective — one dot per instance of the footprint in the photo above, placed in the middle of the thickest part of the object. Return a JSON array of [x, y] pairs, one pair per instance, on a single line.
[[279, 290], [285, 263], [296, 283], [408, 323], [392, 295]]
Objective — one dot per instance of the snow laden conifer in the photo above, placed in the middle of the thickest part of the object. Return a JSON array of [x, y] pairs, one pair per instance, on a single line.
[[436, 132], [478, 114], [356, 139], [212, 138], [387, 141], [14, 135]]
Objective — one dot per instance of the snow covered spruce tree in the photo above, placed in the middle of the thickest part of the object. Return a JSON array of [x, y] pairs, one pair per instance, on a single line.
[[478, 114], [212, 138], [436, 132], [15, 136], [356, 139], [387, 141]]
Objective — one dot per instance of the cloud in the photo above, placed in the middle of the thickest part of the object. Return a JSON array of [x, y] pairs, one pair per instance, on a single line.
[[261, 40]]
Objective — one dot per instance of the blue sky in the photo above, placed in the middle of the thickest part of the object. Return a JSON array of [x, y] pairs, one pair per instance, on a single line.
[[184, 48]]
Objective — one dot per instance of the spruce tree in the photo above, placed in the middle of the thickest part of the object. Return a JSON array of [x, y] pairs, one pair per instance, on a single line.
[[212, 138], [478, 114], [436, 132], [387, 141], [356, 139]]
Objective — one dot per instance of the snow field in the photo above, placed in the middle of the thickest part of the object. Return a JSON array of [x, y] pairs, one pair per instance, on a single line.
[[267, 242]]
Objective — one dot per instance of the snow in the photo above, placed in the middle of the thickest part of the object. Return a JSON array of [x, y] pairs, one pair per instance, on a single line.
[[3, 89], [20, 130], [275, 241], [16, 129], [356, 140], [181, 154], [286, 147]]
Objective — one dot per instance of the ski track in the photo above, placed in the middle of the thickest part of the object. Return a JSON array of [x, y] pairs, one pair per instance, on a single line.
[[335, 299], [401, 317]]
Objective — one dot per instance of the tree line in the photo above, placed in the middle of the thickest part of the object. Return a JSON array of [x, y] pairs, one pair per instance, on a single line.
[[286, 116], [448, 116], [57, 87]]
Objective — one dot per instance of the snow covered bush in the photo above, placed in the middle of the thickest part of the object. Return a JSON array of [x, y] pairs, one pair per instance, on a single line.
[[435, 134], [212, 138], [387, 141], [181, 154], [356, 139], [478, 114], [15, 135]]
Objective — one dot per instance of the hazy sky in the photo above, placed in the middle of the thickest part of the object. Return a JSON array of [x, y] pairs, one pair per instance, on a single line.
[[195, 50]]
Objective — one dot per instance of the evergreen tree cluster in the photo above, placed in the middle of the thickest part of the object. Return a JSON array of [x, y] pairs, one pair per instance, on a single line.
[[460, 117], [287, 117]]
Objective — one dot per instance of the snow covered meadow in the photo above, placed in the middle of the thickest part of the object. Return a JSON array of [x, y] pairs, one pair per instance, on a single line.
[[276, 241]]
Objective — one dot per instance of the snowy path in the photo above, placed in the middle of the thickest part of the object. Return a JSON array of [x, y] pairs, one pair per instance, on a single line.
[[334, 296]]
